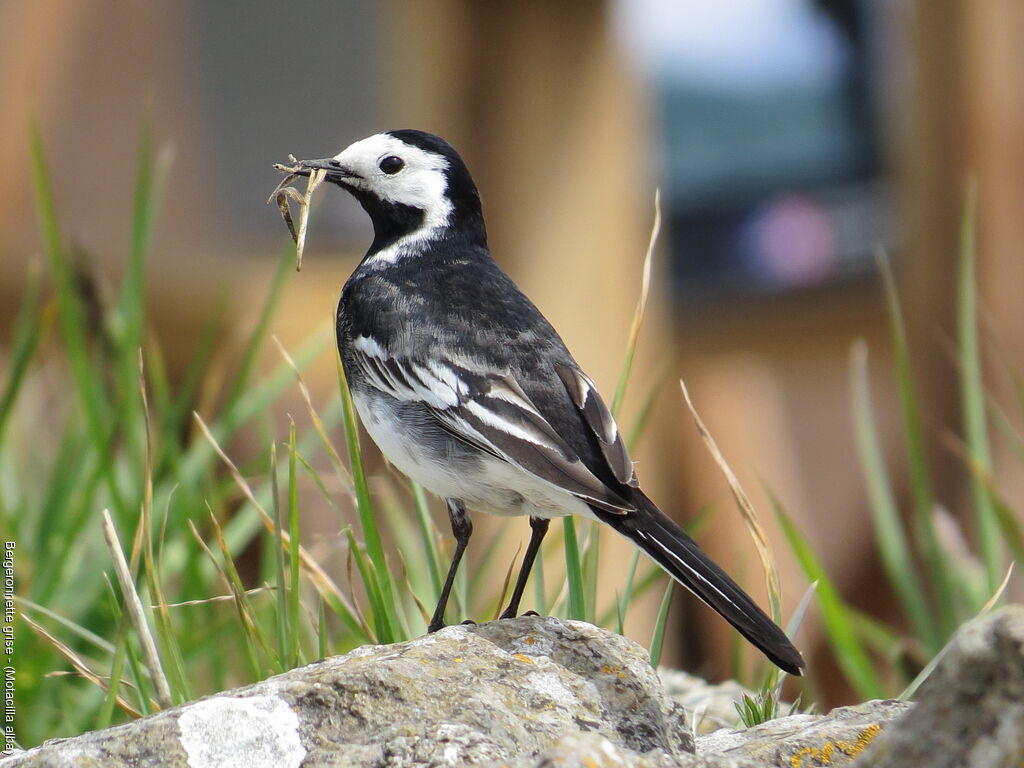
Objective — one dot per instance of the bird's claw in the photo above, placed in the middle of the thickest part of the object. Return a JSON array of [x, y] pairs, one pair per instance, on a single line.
[[507, 615], [441, 625]]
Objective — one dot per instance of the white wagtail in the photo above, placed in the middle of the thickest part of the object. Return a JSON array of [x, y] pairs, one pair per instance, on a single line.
[[467, 389]]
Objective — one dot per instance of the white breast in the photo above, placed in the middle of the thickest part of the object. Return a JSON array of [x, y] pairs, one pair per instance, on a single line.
[[486, 484]]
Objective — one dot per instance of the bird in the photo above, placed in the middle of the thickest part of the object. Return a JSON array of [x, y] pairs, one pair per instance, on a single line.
[[468, 390]]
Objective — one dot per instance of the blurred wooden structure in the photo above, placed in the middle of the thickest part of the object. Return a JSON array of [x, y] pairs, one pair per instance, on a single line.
[[546, 113]]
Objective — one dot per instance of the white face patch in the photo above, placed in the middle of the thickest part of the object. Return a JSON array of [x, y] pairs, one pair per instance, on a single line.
[[421, 183]]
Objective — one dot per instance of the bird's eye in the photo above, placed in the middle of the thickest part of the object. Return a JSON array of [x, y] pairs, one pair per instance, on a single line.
[[391, 164]]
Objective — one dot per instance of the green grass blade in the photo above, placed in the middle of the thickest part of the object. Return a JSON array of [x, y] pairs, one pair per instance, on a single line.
[[973, 400], [920, 482], [357, 628], [591, 557], [574, 572], [319, 427], [378, 611], [259, 332], [127, 322], [591, 562], [283, 625], [1007, 429], [890, 540], [917, 461], [639, 426], [71, 313], [135, 609], [413, 576], [539, 586], [180, 410], [130, 655], [28, 330], [315, 476], [75, 472], [641, 587], [849, 653], [877, 637], [633, 588], [387, 622], [150, 180], [923, 675], [627, 593], [641, 307], [490, 556], [101, 644], [428, 538], [323, 649], [195, 462], [243, 605], [658, 636], [1009, 524], [154, 582], [743, 506], [293, 532], [324, 585], [801, 610], [106, 710]]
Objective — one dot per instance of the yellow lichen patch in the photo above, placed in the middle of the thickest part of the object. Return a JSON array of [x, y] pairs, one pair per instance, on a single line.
[[824, 754], [589, 762], [616, 670], [797, 760], [866, 737], [524, 659], [458, 659]]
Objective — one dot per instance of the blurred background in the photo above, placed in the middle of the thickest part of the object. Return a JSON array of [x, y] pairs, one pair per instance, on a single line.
[[791, 140]]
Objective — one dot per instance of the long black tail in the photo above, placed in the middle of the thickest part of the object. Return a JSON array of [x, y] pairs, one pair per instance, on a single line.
[[677, 553]]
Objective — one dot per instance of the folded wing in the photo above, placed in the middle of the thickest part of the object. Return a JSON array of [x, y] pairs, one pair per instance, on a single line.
[[489, 410]]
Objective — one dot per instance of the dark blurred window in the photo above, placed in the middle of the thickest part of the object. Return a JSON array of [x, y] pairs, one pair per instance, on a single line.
[[308, 87], [770, 161]]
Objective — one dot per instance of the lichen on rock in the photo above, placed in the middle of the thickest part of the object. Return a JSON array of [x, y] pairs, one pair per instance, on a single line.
[[465, 695], [547, 693]]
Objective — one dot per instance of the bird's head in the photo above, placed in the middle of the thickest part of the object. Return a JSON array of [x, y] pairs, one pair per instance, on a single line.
[[408, 181]]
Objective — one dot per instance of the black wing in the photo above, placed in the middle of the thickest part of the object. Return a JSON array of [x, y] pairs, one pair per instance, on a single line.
[[488, 409]]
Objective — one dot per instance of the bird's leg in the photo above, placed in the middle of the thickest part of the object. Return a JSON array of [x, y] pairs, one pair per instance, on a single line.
[[462, 528], [539, 527]]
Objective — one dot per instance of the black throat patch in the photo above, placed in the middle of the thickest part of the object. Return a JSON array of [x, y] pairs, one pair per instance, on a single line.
[[391, 221]]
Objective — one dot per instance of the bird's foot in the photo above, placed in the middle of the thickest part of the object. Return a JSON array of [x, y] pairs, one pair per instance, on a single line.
[[512, 615], [434, 626]]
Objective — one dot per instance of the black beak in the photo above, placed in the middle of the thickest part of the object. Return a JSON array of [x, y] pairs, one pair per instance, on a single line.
[[336, 172]]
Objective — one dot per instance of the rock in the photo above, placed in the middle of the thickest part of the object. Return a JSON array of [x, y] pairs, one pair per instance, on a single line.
[[545, 693], [970, 710], [798, 741], [709, 706], [591, 750], [801, 741], [465, 695]]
